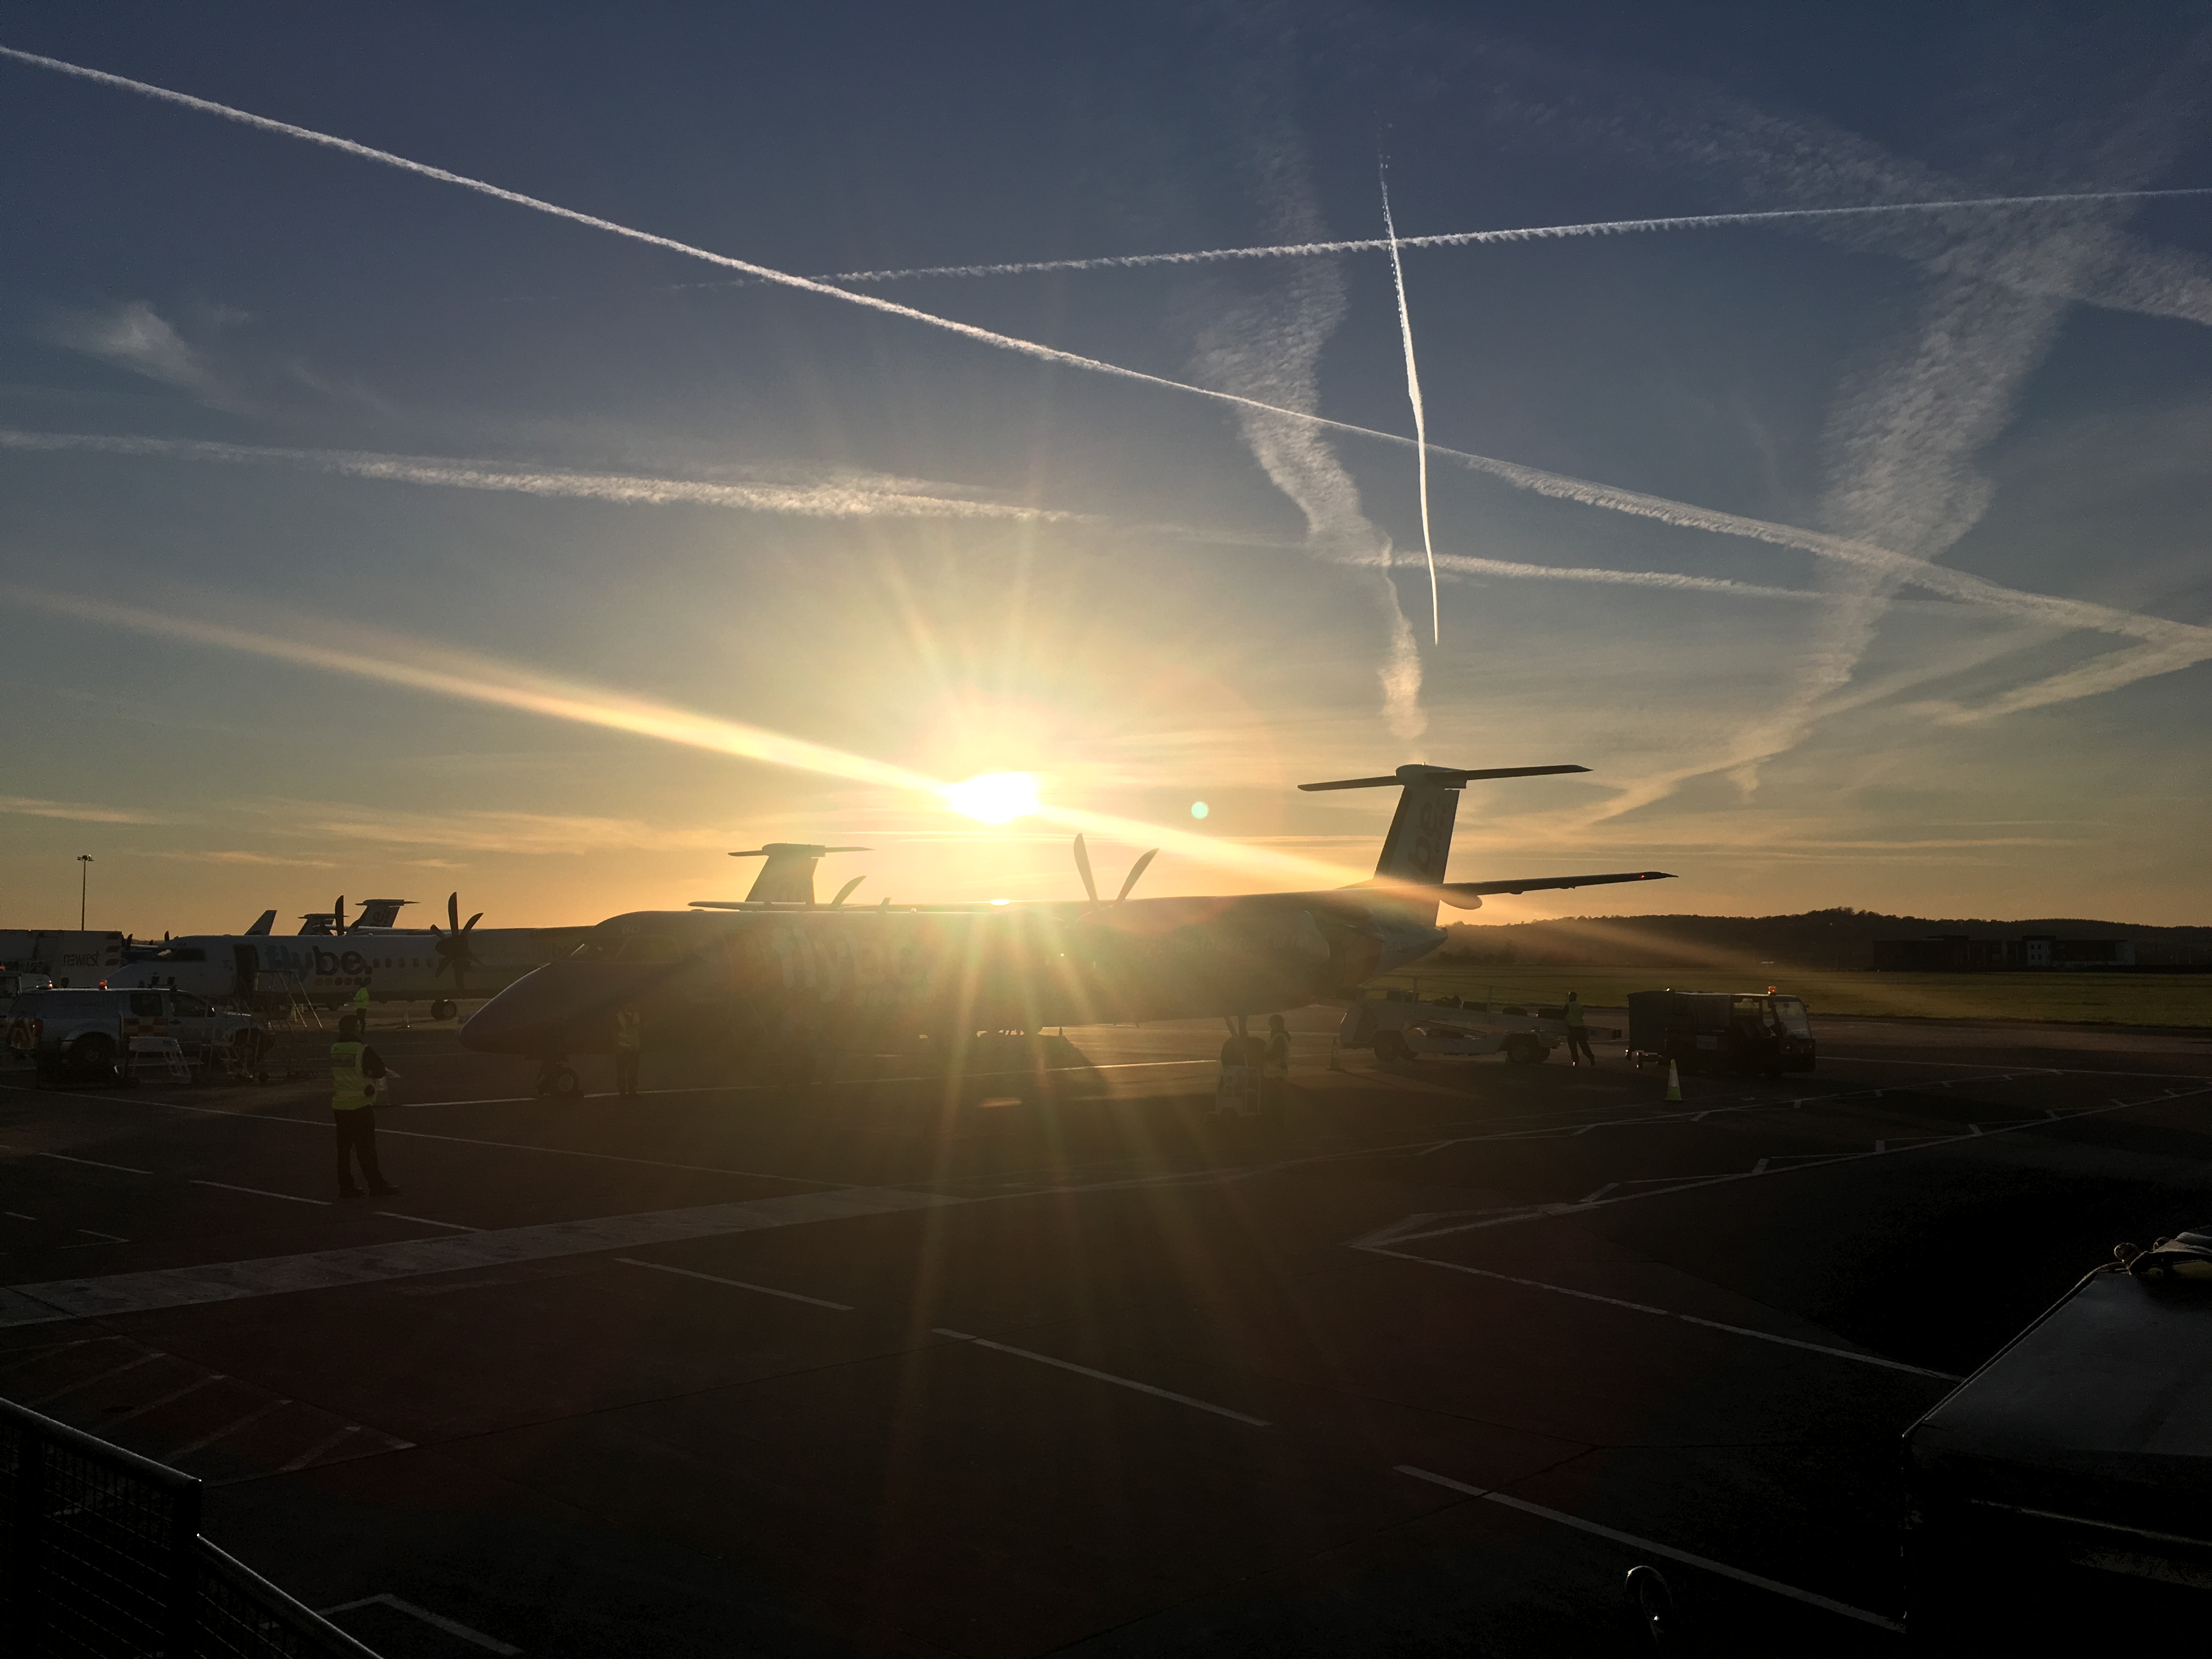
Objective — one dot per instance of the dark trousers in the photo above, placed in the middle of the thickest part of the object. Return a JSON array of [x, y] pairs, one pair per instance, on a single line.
[[357, 1137], [1579, 1043], [626, 1061]]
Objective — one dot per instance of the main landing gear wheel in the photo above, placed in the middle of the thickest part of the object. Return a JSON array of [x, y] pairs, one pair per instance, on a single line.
[[443, 1008], [557, 1078], [1525, 1051], [1390, 1047]]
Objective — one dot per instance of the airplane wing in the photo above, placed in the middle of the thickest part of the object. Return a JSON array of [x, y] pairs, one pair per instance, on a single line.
[[1453, 892]]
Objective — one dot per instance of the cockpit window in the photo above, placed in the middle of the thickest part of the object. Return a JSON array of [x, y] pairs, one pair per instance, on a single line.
[[594, 950]]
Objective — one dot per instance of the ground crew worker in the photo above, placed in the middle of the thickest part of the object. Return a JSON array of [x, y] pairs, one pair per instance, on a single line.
[[629, 1048], [1577, 1037], [355, 1069], [1275, 1066]]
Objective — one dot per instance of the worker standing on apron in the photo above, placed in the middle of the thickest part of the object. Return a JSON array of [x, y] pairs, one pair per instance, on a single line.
[[629, 1049], [355, 1071], [1275, 1066], [1578, 1049]]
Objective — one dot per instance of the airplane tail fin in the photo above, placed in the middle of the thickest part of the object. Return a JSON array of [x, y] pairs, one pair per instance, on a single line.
[[787, 876], [1419, 845]]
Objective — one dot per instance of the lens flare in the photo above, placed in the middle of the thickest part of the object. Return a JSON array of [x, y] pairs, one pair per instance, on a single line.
[[995, 797]]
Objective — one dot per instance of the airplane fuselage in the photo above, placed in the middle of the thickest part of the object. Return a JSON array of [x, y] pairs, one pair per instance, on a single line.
[[393, 966], [777, 977]]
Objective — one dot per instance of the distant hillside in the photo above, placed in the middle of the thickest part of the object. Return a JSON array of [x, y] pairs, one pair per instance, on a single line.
[[1827, 940]]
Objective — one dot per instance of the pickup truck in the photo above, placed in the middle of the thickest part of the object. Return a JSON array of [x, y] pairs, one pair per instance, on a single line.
[[1398, 1027], [87, 1035]]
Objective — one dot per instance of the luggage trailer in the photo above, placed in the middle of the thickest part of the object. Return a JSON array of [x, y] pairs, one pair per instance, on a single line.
[[1397, 1025]]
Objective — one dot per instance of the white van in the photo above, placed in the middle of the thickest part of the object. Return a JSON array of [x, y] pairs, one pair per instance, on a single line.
[[86, 1036]]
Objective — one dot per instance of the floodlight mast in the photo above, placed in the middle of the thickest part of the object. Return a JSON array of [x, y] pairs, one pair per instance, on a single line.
[[83, 881]]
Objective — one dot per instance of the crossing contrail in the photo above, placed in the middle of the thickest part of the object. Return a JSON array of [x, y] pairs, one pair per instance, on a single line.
[[1420, 416], [2180, 639], [852, 498], [1516, 233]]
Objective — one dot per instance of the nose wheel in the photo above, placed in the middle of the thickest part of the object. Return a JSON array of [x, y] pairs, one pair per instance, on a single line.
[[558, 1079], [443, 1008]]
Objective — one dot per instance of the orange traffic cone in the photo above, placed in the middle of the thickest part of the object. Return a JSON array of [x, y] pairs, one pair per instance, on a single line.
[[1674, 1082], [1334, 1064]]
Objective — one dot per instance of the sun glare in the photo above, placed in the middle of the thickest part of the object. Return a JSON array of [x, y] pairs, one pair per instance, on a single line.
[[995, 797]]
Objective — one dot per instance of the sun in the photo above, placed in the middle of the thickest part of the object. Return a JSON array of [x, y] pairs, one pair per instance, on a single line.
[[995, 797]]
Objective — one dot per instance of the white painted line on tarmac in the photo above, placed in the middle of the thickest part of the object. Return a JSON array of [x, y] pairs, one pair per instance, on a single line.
[[1882, 1149], [1664, 1313], [372, 1264], [225, 1431], [1489, 1495], [1105, 1376], [425, 1221], [736, 1284], [257, 1192], [93, 1162], [147, 1358], [437, 1620], [330, 1444], [172, 1394]]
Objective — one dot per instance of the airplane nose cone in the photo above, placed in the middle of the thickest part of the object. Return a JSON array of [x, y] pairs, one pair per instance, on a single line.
[[558, 1009]]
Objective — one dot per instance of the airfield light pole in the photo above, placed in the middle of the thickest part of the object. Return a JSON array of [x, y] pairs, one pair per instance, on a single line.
[[83, 878]]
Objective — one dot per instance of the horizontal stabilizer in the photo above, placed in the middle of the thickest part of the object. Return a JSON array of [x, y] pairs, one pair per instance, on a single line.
[[1448, 777], [1453, 892]]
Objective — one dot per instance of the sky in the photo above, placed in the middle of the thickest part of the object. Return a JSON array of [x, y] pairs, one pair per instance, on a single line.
[[477, 505]]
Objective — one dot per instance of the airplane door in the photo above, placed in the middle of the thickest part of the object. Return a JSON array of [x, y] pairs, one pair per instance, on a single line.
[[249, 967]]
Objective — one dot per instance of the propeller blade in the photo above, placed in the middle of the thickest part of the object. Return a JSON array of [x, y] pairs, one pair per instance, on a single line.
[[472, 921], [337, 914], [1083, 869], [453, 911], [846, 891], [1135, 870]]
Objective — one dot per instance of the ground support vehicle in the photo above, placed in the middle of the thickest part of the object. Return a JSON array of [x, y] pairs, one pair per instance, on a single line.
[[1730, 1032], [100, 1037], [2058, 1497], [1398, 1026]]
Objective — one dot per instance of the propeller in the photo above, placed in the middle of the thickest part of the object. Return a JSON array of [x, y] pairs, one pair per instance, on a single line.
[[452, 944], [846, 891], [1091, 884], [337, 915], [1135, 870]]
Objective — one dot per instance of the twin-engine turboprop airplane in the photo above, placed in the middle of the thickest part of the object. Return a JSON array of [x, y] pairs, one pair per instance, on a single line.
[[786, 982], [329, 963]]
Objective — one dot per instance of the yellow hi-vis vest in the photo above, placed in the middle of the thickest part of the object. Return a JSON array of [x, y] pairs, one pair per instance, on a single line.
[[349, 1090], [1574, 1015], [629, 1032]]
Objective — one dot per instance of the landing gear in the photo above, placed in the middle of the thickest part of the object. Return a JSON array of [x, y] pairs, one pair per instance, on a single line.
[[558, 1079], [1390, 1047], [1526, 1051], [443, 1008]]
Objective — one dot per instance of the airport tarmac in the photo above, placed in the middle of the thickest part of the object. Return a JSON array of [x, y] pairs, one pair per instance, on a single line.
[[1054, 1361]]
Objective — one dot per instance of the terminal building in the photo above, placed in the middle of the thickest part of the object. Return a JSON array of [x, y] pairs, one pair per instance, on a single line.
[[1961, 954]]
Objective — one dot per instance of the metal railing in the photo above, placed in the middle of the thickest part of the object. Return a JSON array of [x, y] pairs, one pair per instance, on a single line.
[[104, 1560]]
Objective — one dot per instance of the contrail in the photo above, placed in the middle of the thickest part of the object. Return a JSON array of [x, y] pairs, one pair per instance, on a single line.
[[1420, 416], [826, 501], [1953, 584], [1467, 564], [448, 673], [1482, 237]]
